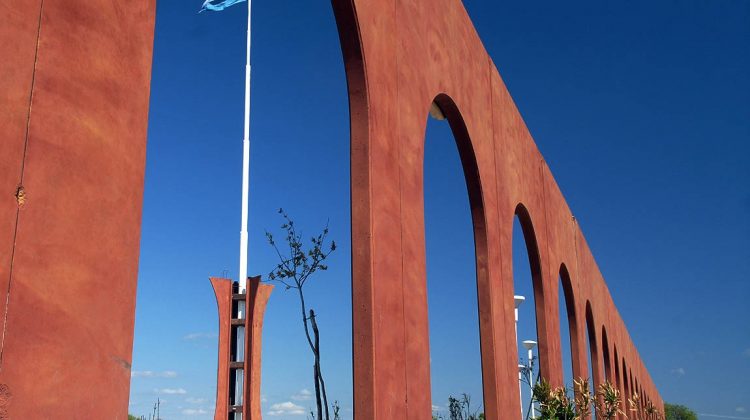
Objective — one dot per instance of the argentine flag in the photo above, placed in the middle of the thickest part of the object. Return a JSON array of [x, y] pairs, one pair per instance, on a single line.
[[218, 6]]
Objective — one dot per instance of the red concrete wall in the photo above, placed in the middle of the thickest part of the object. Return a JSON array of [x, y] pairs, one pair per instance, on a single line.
[[74, 86], [400, 56]]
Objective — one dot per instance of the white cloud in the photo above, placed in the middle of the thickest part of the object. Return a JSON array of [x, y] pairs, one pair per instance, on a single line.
[[436, 407], [678, 371], [286, 408], [153, 374], [199, 336], [740, 409], [194, 411], [193, 400], [304, 395], [746, 353], [171, 391]]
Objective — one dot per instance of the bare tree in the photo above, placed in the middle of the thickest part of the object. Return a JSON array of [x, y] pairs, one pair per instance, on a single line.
[[293, 271]]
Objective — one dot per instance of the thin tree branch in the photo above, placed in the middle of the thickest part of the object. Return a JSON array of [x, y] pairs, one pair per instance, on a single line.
[[317, 360]]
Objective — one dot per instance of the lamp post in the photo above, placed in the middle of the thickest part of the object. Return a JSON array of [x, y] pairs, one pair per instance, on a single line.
[[517, 301], [529, 345]]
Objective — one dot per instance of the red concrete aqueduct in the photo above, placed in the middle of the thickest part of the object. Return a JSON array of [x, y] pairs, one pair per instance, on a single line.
[[74, 82], [400, 56]]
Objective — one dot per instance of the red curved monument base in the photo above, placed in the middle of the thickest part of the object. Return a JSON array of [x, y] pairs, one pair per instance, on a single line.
[[255, 298]]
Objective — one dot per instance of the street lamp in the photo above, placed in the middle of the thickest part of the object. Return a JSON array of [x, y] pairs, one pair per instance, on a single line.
[[529, 345], [517, 301]]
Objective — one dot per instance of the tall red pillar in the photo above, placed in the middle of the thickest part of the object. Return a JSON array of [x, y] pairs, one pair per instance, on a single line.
[[74, 92]]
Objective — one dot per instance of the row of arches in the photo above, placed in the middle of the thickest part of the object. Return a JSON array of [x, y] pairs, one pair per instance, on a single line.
[[602, 360], [393, 76]]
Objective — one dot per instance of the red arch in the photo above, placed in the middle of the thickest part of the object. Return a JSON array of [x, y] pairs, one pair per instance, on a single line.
[[570, 310], [625, 383], [606, 357], [470, 168], [593, 348], [532, 250]]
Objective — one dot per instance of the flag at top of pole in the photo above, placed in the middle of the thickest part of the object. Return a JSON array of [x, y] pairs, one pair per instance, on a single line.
[[219, 5]]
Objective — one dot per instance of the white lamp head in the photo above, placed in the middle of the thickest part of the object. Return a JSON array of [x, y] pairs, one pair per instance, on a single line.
[[518, 300], [529, 344]]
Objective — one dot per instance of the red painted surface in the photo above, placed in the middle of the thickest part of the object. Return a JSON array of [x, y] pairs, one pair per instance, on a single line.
[[74, 86], [223, 292], [256, 299], [400, 56]]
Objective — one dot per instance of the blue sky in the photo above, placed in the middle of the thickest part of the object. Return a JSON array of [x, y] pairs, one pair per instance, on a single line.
[[641, 110]]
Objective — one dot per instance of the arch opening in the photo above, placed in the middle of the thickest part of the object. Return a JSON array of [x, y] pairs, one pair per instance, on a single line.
[[625, 384], [617, 369], [618, 383], [605, 355], [527, 282], [452, 224], [593, 353], [568, 330], [633, 390]]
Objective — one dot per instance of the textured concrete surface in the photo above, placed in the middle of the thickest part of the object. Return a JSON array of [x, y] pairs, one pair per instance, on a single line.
[[74, 88], [223, 291], [400, 57], [256, 300]]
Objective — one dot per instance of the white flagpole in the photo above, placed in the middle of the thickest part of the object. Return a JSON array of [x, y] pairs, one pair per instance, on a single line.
[[245, 163]]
